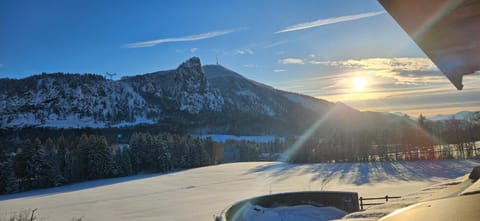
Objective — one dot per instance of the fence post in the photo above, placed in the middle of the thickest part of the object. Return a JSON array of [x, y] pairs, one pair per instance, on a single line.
[[361, 203], [386, 198]]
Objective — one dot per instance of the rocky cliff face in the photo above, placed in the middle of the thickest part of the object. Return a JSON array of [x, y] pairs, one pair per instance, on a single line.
[[192, 91], [183, 89]]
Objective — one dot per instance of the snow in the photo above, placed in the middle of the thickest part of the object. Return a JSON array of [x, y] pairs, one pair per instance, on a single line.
[[291, 213], [446, 189], [22, 119], [138, 120], [56, 103], [77, 101], [248, 93], [198, 194], [224, 137], [305, 101], [268, 111], [74, 121], [463, 115]]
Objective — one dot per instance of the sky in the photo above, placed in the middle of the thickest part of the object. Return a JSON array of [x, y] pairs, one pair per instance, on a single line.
[[316, 47]]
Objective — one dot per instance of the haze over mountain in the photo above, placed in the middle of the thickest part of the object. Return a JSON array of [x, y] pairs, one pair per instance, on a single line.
[[462, 115], [192, 98]]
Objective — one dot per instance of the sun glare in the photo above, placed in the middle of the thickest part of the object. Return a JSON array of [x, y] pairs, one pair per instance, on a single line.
[[359, 84]]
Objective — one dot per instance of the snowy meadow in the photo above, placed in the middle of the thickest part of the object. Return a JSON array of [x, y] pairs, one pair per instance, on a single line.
[[201, 193]]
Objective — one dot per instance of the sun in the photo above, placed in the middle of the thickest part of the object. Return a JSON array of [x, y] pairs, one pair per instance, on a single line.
[[359, 84]]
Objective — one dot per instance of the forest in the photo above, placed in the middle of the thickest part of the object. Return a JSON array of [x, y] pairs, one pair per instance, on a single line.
[[68, 159], [40, 158], [419, 139]]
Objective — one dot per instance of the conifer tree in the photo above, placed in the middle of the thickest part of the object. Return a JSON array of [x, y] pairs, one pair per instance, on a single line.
[[8, 179]]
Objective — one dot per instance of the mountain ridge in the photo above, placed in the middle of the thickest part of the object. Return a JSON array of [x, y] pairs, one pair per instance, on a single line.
[[192, 98]]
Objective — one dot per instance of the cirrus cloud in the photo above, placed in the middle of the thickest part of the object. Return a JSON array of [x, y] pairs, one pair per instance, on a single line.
[[328, 21], [404, 70], [399, 63], [197, 37], [243, 51], [291, 61]]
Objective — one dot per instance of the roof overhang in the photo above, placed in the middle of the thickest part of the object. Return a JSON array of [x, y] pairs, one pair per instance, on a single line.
[[448, 31]]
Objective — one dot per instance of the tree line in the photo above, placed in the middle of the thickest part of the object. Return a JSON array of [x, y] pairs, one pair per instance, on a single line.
[[408, 140], [37, 163], [45, 162]]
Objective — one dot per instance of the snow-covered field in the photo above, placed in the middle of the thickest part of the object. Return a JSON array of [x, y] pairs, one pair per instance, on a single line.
[[224, 137], [291, 213], [198, 194]]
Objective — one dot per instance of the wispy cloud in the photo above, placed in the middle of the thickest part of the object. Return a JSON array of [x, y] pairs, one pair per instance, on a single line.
[[180, 39], [404, 70], [243, 51], [193, 50], [398, 63], [279, 70], [329, 21], [277, 43], [1, 65], [291, 61], [252, 66], [408, 84]]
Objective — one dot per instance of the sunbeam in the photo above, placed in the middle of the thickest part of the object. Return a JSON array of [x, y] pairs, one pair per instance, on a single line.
[[306, 135]]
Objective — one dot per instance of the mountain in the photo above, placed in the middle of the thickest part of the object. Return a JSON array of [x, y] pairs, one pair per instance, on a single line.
[[191, 98], [462, 115]]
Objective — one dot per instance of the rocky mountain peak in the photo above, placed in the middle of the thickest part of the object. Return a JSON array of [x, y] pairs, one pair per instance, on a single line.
[[192, 65]]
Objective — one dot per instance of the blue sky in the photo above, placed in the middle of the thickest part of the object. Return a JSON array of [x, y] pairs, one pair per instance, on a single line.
[[311, 47]]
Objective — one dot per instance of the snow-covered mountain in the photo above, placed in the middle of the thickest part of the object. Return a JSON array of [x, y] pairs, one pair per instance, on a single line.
[[194, 98], [73, 100], [462, 115], [184, 89]]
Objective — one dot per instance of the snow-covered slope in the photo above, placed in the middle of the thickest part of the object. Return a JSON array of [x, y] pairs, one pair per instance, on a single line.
[[225, 137], [184, 89], [192, 95], [463, 115], [198, 194], [76, 101], [59, 100], [196, 99], [246, 95]]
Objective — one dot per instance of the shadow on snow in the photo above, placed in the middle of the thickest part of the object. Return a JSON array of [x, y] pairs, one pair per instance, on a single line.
[[373, 172], [77, 186]]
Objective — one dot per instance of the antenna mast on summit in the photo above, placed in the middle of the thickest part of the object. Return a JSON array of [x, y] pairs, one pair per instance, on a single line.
[[111, 75], [216, 57]]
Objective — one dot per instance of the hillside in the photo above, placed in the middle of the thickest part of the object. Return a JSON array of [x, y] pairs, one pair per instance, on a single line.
[[192, 98]]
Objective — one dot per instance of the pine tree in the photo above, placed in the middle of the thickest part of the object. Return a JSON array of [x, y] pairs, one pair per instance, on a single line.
[[51, 164], [79, 159], [42, 167], [33, 164], [22, 158], [8, 179], [205, 158], [61, 155], [164, 157], [124, 162], [134, 156], [99, 161]]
